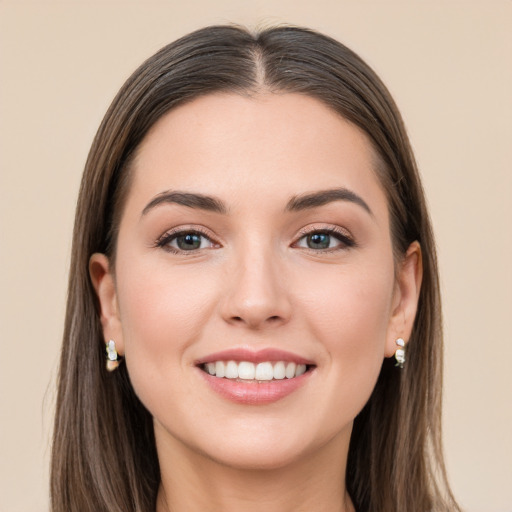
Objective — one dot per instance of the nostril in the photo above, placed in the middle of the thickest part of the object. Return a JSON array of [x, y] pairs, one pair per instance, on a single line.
[[274, 319]]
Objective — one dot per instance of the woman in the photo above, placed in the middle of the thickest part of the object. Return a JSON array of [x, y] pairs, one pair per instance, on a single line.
[[253, 254]]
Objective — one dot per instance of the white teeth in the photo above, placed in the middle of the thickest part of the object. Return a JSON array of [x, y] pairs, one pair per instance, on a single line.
[[231, 370], [220, 369], [264, 371], [301, 368], [279, 371], [290, 370], [249, 371], [246, 370]]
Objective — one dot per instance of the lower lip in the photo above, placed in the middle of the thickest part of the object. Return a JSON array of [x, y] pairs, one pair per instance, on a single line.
[[255, 393]]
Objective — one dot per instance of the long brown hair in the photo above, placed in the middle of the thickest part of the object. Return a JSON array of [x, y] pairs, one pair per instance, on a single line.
[[104, 457]]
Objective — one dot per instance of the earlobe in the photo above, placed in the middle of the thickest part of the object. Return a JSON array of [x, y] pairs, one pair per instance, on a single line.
[[406, 296], [104, 284]]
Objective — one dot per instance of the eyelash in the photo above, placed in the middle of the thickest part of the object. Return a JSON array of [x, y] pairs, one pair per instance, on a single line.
[[164, 241], [345, 240]]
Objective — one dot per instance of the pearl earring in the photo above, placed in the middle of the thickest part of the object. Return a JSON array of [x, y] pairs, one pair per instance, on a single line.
[[400, 353], [113, 359]]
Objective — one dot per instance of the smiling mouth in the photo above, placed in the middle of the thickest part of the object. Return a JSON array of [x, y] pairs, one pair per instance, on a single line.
[[245, 371]]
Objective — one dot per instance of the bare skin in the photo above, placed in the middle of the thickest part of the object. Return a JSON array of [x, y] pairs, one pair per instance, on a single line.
[[300, 487], [238, 260]]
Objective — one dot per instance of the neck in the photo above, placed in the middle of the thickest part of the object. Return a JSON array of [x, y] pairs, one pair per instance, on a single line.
[[195, 483]]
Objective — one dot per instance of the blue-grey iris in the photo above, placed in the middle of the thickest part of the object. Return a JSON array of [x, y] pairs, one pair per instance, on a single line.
[[189, 241], [319, 241]]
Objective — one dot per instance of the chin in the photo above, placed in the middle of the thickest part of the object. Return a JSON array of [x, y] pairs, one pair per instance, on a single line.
[[271, 446], [252, 457]]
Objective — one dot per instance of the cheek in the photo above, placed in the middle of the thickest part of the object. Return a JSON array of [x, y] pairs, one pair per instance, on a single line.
[[349, 313], [162, 312], [350, 304]]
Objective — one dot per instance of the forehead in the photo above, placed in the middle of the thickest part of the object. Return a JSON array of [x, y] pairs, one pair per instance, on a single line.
[[270, 145]]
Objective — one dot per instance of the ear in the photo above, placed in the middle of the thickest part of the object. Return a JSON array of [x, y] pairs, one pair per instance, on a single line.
[[405, 298], [103, 281]]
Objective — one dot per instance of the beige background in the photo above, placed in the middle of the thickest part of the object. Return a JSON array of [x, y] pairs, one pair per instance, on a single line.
[[449, 65]]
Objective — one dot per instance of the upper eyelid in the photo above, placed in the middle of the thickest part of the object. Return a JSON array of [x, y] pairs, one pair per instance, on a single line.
[[174, 233], [344, 237], [326, 228], [305, 231]]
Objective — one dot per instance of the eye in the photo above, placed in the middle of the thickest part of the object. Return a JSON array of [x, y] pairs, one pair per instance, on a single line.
[[189, 242], [185, 241], [324, 240]]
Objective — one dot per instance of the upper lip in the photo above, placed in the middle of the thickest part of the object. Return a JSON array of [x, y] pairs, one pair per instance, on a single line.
[[254, 356]]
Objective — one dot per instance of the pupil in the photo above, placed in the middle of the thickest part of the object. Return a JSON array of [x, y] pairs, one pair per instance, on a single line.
[[188, 242], [319, 241]]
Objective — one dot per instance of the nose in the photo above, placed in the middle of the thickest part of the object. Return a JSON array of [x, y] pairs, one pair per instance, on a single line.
[[257, 296]]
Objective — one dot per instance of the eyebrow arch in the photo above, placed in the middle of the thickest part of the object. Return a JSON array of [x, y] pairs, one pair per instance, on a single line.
[[322, 197], [189, 199]]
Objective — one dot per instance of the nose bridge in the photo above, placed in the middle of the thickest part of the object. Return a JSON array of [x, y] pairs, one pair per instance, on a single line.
[[257, 294]]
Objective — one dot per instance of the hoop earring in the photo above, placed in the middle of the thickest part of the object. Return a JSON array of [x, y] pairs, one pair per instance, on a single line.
[[113, 358], [400, 353]]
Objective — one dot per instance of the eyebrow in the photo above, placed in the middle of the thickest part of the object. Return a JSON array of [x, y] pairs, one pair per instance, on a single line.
[[192, 200], [295, 204], [323, 197]]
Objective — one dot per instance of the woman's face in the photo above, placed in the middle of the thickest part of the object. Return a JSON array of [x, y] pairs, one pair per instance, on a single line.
[[255, 232]]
